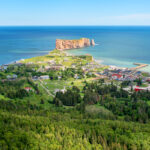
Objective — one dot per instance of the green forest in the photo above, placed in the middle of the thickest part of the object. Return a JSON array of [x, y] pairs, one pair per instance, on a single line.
[[96, 117], [26, 126]]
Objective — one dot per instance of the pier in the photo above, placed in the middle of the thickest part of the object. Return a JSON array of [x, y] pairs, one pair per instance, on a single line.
[[139, 66]]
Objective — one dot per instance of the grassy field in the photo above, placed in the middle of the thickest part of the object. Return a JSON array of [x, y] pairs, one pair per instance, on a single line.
[[52, 85], [144, 85], [60, 57], [48, 88]]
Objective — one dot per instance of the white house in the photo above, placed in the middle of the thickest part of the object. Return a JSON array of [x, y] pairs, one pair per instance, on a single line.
[[45, 77], [12, 77]]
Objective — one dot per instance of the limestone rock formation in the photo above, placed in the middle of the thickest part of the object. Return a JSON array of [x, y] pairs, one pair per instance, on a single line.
[[73, 44], [92, 42]]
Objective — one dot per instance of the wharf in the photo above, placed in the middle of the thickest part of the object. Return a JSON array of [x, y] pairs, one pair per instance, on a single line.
[[139, 66]]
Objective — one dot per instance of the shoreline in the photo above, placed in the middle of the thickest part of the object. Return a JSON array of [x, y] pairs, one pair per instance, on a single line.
[[138, 66]]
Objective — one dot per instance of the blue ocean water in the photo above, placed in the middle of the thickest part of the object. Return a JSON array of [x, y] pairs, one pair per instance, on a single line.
[[115, 45]]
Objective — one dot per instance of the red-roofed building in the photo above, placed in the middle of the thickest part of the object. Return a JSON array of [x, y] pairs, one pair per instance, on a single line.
[[148, 80], [117, 76], [137, 89], [28, 89]]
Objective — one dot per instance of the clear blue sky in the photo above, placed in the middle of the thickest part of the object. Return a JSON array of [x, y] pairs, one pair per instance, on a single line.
[[74, 12]]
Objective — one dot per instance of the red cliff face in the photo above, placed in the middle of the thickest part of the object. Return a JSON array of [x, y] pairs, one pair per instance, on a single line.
[[72, 44]]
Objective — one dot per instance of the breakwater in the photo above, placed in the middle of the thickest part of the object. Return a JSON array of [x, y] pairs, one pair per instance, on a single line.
[[138, 66]]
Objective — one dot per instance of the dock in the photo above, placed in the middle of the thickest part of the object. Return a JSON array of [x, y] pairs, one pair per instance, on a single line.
[[139, 66]]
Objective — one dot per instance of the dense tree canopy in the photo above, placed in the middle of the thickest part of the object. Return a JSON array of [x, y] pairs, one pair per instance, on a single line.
[[24, 126]]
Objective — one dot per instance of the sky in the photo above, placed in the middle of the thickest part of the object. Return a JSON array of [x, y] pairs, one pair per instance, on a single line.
[[74, 12]]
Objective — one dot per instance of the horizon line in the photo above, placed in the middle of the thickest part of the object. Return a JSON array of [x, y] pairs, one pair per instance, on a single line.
[[68, 25]]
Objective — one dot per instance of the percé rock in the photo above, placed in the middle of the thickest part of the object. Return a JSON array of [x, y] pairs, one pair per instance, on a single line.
[[73, 44], [92, 42]]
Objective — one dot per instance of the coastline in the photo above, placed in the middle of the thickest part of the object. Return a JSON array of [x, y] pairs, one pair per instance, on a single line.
[[136, 66]]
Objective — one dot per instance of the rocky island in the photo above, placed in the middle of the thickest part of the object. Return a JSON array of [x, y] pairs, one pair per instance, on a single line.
[[73, 44]]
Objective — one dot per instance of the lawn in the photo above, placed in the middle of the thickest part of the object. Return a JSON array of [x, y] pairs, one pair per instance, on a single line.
[[144, 85], [52, 85]]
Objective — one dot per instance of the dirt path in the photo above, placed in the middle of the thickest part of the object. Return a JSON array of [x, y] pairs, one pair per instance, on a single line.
[[98, 77], [48, 92]]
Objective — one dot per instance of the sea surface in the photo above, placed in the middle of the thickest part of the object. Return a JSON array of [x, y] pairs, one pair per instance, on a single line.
[[115, 45]]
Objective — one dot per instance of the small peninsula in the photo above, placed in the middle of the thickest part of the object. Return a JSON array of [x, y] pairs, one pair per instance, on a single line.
[[73, 44]]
